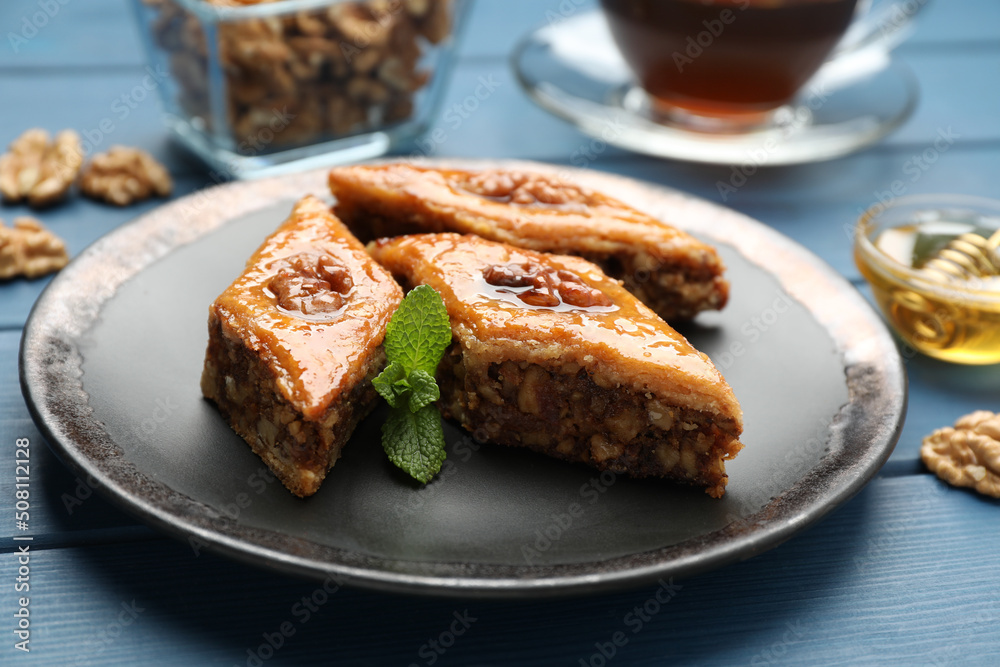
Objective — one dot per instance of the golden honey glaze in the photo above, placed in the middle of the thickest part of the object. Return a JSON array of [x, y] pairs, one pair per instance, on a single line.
[[623, 344], [526, 209], [316, 356]]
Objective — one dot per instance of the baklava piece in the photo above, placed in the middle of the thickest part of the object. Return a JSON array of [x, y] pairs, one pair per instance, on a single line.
[[670, 271], [294, 344], [549, 353]]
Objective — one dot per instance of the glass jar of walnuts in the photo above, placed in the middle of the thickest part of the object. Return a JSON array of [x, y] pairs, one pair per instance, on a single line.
[[259, 87]]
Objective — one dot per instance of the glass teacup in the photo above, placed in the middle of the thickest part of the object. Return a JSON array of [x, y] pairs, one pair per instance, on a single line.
[[728, 65]]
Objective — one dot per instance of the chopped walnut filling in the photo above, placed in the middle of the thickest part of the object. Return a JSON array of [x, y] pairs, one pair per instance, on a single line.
[[297, 449], [549, 287], [967, 454], [524, 188], [39, 170], [123, 176], [310, 283], [28, 249], [570, 416]]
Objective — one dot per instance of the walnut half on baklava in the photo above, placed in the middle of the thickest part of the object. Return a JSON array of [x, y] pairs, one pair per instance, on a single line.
[[295, 341], [669, 270], [551, 354]]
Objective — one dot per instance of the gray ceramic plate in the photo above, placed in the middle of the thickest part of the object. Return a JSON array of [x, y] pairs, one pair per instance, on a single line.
[[111, 358]]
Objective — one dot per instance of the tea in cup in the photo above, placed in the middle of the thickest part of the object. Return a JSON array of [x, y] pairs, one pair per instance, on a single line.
[[727, 65]]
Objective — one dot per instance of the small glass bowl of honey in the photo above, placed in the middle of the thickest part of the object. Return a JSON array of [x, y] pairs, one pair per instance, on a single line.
[[899, 247]]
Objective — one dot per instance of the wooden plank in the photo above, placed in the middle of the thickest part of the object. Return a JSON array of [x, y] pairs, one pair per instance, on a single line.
[[79, 222], [904, 574], [492, 32], [507, 124], [485, 114], [816, 204], [504, 124], [69, 34], [63, 507], [94, 34], [104, 107], [811, 199], [940, 393], [66, 509], [955, 22]]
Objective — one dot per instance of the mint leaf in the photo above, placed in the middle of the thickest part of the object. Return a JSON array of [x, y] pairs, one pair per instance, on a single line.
[[391, 384], [414, 441], [419, 331], [415, 340], [423, 390]]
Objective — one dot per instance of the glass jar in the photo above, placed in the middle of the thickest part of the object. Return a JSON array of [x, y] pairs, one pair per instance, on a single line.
[[261, 87], [952, 320]]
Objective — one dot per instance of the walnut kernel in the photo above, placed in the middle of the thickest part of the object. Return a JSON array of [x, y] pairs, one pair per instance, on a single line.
[[39, 170], [310, 283], [967, 454], [549, 287], [28, 249], [123, 176], [522, 188]]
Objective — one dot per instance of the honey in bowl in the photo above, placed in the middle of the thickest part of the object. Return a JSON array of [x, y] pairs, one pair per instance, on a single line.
[[726, 57], [954, 319]]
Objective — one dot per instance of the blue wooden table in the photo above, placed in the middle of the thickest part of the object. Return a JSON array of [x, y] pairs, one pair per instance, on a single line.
[[908, 572]]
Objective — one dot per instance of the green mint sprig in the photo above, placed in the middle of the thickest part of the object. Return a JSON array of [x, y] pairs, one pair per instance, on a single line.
[[415, 340]]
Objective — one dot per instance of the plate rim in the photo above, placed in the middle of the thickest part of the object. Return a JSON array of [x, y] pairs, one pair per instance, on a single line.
[[50, 374]]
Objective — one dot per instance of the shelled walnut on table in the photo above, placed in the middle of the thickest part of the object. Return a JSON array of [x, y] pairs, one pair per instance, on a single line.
[[39, 169], [123, 176], [29, 249], [967, 454]]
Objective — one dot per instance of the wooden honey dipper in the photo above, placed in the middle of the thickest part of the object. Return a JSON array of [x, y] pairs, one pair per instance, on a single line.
[[967, 256]]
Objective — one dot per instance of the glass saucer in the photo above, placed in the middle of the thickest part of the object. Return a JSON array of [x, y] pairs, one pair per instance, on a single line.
[[573, 70]]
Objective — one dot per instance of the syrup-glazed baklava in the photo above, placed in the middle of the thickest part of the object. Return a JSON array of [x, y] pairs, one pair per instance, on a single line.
[[295, 341], [549, 353], [669, 270]]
